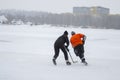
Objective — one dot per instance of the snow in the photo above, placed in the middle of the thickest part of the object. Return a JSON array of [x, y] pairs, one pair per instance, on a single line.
[[26, 54], [3, 19]]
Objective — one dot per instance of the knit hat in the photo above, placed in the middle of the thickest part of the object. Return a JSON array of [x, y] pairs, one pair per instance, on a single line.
[[66, 33], [72, 33]]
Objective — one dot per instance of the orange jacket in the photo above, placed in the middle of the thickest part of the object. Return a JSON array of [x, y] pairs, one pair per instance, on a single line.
[[76, 39]]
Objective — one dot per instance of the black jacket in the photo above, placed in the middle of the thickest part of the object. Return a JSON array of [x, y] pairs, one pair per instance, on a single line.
[[61, 41]]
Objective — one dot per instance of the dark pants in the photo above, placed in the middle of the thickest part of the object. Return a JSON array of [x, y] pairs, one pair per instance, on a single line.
[[79, 51], [57, 50]]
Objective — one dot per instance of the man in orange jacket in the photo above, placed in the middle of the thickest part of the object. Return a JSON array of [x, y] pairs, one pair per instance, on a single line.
[[77, 41]]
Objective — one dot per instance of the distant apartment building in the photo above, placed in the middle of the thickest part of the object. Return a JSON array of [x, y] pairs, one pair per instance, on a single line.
[[81, 10], [91, 10]]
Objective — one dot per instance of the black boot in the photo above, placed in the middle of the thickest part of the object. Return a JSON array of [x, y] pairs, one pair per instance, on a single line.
[[68, 63], [54, 62], [84, 62]]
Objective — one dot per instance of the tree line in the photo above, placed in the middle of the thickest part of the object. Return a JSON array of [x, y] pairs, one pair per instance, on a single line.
[[63, 19]]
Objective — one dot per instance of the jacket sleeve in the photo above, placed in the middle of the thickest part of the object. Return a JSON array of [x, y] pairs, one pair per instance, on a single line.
[[67, 41], [84, 37]]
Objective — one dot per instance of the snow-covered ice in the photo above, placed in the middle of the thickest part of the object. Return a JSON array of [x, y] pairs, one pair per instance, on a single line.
[[26, 54]]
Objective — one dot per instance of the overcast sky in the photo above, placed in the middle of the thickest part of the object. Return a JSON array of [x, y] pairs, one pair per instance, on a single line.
[[59, 6]]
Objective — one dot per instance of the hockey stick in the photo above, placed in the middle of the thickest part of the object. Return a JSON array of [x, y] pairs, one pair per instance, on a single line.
[[71, 56]]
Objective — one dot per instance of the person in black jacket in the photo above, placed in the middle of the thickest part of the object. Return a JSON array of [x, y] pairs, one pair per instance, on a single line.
[[60, 44]]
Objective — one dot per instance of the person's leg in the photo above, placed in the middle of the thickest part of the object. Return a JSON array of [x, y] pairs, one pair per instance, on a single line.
[[65, 55], [81, 54], [56, 50], [79, 51]]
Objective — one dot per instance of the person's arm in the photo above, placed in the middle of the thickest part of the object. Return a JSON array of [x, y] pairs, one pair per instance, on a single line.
[[67, 41], [84, 38], [67, 44]]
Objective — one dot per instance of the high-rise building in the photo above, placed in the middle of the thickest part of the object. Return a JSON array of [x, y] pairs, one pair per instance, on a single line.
[[91, 10], [99, 10], [81, 10]]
